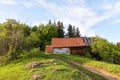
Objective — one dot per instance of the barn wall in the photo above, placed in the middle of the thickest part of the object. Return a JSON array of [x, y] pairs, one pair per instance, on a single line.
[[78, 50], [61, 50], [48, 48]]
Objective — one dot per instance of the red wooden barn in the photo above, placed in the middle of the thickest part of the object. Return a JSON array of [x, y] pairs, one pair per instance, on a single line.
[[69, 45]]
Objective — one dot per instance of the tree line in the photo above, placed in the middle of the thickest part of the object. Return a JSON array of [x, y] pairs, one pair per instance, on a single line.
[[17, 38], [21, 40], [101, 49]]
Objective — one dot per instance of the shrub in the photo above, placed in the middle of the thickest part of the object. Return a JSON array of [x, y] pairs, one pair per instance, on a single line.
[[4, 59], [103, 49], [32, 53]]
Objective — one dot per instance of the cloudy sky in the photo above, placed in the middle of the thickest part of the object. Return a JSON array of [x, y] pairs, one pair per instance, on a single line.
[[93, 17]]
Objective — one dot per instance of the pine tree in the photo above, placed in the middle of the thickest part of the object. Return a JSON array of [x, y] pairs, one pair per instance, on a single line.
[[77, 32], [49, 22], [60, 31], [73, 31], [70, 32]]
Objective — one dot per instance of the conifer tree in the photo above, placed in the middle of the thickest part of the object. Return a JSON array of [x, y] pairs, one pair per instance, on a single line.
[[77, 32], [60, 31]]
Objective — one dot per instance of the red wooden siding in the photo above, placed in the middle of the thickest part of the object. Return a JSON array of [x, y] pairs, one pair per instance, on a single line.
[[48, 48]]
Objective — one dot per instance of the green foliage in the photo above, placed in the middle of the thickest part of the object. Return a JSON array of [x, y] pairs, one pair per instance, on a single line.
[[108, 51], [26, 29], [11, 41], [34, 28], [16, 37], [60, 31], [32, 53], [118, 45], [4, 60], [32, 41], [77, 33], [70, 32], [73, 32], [47, 32]]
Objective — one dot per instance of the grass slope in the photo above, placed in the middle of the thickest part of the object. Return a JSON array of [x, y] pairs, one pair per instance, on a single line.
[[112, 69], [52, 69]]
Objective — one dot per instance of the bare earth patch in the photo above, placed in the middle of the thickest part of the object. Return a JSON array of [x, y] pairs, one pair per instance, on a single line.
[[32, 65], [35, 77]]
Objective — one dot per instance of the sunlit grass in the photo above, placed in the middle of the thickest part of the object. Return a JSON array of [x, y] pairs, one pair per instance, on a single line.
[[99, 65], [53, 68]]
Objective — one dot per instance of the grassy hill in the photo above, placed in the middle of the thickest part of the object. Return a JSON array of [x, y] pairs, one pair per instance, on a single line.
[[52, 67], [109, 68]]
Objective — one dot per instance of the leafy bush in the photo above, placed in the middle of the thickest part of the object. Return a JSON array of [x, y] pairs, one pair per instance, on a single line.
[[105, 50], [4, 59], [33, 52]]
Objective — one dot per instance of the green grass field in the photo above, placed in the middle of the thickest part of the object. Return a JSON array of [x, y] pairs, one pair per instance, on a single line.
[[112, 69], [53, 68]]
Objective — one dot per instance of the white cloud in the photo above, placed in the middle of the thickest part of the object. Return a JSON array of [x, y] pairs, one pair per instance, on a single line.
[[117, 21], [76, 1], [8, 2], [28, 3], [80, 16], [45, 4], [116, 8], [107, 6], [91, 32]]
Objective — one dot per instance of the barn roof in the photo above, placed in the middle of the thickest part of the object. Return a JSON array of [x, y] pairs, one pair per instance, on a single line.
[[67, 42]]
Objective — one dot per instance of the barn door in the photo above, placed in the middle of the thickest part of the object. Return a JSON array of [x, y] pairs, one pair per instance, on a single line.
[[73, 50]]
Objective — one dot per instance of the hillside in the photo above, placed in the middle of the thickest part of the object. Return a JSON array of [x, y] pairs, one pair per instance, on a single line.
[[59, 40], [51, 67], [110, 71]]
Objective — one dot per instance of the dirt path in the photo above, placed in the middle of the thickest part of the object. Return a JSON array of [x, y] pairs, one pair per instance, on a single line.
[[101, 73], [107, 76]]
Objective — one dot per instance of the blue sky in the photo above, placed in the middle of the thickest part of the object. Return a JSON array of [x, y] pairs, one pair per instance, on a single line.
[[93, 17]]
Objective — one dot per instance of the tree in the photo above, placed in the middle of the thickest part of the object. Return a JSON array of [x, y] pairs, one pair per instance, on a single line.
[[47, 32], [70, 31], [54, 23], [34, 28], [12, 38], [26, 29], [77, 33], [73, 31], [108, 51], [118, 45], [32, 41], [60, 31], [49, 23]]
